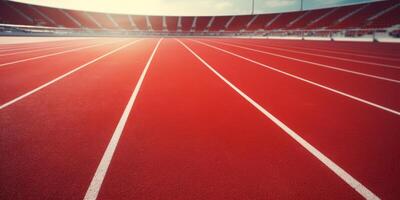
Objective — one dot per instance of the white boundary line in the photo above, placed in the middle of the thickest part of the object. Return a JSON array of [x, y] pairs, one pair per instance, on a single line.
[[53, 54], [98, 178], [23, 49], [356, 185], [312, 63], [63, 76], [341, 51], [9, 50], [305, 80], [39, 49], [331, 57]]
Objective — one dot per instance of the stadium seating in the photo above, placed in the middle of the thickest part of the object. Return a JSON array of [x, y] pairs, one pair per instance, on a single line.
[[10, 16], [172, 23], [283, 20], [219, 23], [201, 23], [239, 22], [57, 16], [102, 20], [83, 19], [360, 18], [156, 23], [140, 22], [261, 21], [387, 19], [308, 17], [186, 23], [332, 18], [123, 21], [37, 19], [379, 14]]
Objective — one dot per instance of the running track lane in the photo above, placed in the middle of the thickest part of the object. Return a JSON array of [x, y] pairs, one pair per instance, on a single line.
[[190, 136], [378, 91], [40, 55], [363, 140], [390, 69], [340, 54], [335, 52], [53, 47], [377, 49], [19, 78], [42, 51], [28, 49], [27, 46], [52, 141]]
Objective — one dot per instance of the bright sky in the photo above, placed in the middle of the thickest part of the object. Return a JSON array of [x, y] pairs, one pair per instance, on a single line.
[[188, 7]]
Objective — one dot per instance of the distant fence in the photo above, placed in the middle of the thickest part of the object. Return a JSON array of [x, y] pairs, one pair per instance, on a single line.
[[323, 34]]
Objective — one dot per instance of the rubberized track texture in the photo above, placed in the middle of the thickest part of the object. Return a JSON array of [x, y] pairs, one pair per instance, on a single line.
[[189, 118]]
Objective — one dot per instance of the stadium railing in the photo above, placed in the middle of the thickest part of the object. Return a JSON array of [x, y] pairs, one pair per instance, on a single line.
[[391, 34]]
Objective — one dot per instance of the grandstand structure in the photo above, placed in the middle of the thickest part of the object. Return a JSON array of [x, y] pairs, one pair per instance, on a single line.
[[366, 16]]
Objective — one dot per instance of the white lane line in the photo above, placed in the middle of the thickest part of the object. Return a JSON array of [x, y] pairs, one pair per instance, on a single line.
[[62, 76], [19, 49], [305, 80], [330, 57], [355, 184], [311, 63], [40, 49], [341, 51], [53, 54], [7, 50], [98, 178]]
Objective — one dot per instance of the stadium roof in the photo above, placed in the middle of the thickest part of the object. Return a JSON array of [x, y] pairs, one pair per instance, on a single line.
[[189, 7]]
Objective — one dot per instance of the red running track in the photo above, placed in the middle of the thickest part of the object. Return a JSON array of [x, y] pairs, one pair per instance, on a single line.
[[199, 119]]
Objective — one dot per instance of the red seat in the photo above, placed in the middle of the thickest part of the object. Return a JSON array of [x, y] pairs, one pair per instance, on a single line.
[[219, 23], [187, 23], [10, 16], [60, 19], [172, 23], [239, 22], [122, 21], [201, 23], [140, 22], [156, 23]]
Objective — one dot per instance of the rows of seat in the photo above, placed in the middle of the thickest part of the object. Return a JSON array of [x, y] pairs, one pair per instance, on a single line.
[[370, 10], [380, 14]]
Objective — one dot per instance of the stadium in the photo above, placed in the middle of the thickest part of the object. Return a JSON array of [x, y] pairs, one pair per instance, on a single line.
[[213, 99]]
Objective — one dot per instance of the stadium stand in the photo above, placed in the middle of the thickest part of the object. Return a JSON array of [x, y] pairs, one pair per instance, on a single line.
[[156, 23], [83, 19], [219, 23], [123, 21], [102, 20], [57, 16], [333, 16], [140, 22], [186, 23], [386, 18], [37, 19], [9, 15], [172, 23], [202, 23], [260, 22], [283, 20], [239, 23], [373, 15], [308, 17], [360, 18]]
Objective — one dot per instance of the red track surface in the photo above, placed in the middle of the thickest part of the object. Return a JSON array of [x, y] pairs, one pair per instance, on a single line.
[[190, 134]]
